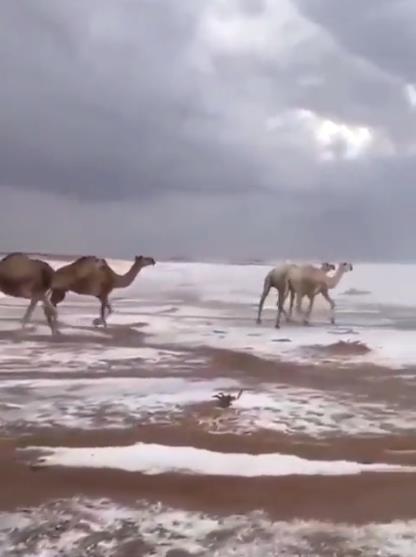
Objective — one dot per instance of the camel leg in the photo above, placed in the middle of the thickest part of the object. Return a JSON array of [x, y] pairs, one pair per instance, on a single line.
[[309, 310], [292, 300], [103, 315], [298, 303], [51, 315], [263, 297], [331, 305], [283, 308], [29, 311], [293, 295], [57, 296], [101, 320], [280, 305]]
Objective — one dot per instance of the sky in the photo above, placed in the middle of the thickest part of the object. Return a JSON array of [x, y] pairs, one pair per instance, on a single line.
[[209, 128]]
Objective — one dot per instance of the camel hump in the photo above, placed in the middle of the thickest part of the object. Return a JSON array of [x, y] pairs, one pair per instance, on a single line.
[[277, 276], [309, 271], [90, 260], [23, 275], [84, 268], [302, 274], [85, 259], [14, 255], [17, 264]]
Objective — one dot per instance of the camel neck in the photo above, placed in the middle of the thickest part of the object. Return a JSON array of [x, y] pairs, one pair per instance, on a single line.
[[123, 281], [334, 280]]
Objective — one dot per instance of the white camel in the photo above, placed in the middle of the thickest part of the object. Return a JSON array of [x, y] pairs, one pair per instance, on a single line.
[[277, 278], [310, 281]]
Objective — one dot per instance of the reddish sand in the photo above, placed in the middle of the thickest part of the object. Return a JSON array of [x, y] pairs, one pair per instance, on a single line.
[[369, 497], [358, 499], [342, 348], [394, 449]]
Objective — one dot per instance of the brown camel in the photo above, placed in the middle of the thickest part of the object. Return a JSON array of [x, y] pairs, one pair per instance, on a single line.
[[277, 278], [309, 281], [24, 277], [94, 277]]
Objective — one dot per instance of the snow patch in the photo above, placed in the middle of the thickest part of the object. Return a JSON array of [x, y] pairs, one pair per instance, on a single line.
[[151, 458]]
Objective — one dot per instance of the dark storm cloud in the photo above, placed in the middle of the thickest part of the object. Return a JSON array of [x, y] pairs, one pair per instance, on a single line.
[[99, 101], [383, 31], [182, 113]]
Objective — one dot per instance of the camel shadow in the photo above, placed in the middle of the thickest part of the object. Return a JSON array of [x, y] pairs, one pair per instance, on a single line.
[[116, 335]]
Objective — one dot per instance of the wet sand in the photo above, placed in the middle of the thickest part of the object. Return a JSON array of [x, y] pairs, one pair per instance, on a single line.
[[393, 449], [358, 499], [353, 499], [317, 410]]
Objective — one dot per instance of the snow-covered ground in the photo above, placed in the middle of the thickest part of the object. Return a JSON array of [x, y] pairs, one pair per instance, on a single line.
[[159, 365], [189, 305], [215, 305], [120, 402], [100, 527]]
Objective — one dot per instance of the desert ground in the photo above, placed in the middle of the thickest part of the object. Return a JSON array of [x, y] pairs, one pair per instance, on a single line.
[[112, 444]]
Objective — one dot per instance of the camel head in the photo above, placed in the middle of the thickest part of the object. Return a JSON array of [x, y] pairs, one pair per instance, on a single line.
[[144, 261], [345, 267], [327, 267]]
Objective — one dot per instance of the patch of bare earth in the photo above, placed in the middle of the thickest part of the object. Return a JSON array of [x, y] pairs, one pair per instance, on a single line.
[[341, 348], [359, 499], [391, 449]]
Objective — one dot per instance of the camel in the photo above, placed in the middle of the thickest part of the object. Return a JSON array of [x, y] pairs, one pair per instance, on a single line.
[[92, 276], [24, 277], [309, 281], [277, 278]]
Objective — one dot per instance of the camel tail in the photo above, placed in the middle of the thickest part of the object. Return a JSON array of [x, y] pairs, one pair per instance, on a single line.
[[46, 279]]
